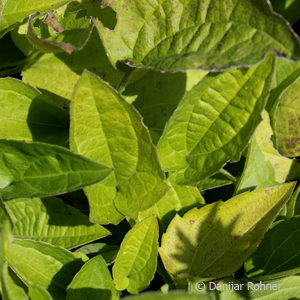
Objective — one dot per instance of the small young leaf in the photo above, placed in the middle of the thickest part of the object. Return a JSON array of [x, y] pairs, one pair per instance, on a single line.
[[214, 241], [106, 128], [278, 254], [38, 170], [26, 115], [93, 281], [137, 259], [45, 220], [215, 121], [43, 264], [205, 34]]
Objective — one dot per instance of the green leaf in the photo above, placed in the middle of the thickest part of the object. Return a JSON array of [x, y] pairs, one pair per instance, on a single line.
[[178, 35], [281, 289], [36, 292], [10, 291], [178, 199], [106, 128], [45, 220], [170, 296], [278, 254], [70, 32], [214, 241], [108, 252], [42, 264], [59, 73], [137, 259], [156, 95], [39, 170], [287, 8], [291, 206], [287, 121], [16, 10], [219, 179], [27, 114], [214, 121], [93, 281]]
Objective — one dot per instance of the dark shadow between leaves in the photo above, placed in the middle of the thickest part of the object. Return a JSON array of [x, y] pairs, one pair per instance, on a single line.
[[63, 278], [205, 259], [47, 121]]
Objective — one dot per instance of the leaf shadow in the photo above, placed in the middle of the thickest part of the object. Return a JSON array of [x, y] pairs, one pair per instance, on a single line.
[[205, 255], [48, 122], [89, 293]]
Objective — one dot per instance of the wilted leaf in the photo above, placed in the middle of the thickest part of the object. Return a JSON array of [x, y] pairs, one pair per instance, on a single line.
[[178, 35], [106, 128], [137, 259], [37, 170], [52, 221], [214, 121], [214, 241], [93, 281]]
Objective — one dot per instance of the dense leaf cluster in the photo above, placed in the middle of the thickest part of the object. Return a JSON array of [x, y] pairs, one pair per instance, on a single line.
[[149, 145]]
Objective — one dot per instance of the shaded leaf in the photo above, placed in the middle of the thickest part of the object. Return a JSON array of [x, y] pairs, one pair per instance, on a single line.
[[39, 170], [74, 31], [106, 128], [214, 241], [214, 121], [178, 199], [16, 10], [178, 35], [287, 8], [108, 252], [42, 264], [170, 296], [93, 281], [137, 259], [52, 221], [278, 254], [27, 114], [36, 292], [9, 290], [63, 70]]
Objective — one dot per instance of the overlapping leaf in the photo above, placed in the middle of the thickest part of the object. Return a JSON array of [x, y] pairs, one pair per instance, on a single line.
[[27, 115], [205, 34], [214, 241], [59, 73], [43, 264], [93, 281], [137, 259], [106, 128], [15, 11], [214, 121], [278, 254], [38, 170], [45, 220]]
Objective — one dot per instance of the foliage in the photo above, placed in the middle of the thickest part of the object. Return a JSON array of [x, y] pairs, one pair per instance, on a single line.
[[149, 146]]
